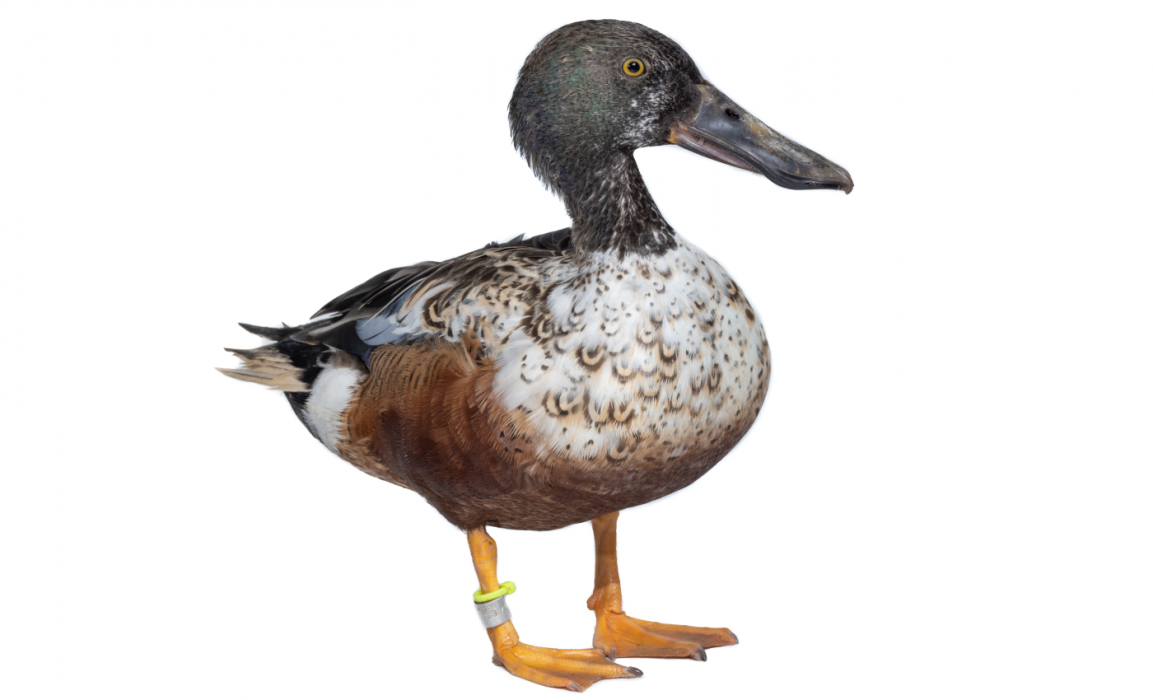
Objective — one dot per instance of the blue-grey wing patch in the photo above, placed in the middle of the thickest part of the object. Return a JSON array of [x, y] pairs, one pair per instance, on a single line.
[[385, 326]]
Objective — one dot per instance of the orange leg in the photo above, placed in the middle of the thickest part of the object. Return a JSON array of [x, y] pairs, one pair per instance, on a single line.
[[619, 635], [571, 669]]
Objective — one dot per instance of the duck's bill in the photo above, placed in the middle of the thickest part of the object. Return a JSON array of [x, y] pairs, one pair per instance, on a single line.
[[721, 130]]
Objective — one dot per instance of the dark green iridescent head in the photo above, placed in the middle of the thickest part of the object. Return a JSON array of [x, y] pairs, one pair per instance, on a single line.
[[576, 103]]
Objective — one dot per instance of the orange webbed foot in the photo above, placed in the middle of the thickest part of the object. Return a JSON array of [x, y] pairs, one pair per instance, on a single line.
[[571, 669], [621, 636]]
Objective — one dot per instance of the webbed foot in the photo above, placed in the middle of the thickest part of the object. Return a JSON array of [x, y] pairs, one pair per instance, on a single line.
[[621, 636], [571, 669]]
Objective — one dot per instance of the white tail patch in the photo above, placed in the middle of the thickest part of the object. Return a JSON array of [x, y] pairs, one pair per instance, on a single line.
[[332, 391]]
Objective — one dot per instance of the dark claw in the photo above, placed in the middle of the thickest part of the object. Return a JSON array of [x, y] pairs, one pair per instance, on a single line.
[[573, 686], [699, 654], [635, 672], [735, 640]]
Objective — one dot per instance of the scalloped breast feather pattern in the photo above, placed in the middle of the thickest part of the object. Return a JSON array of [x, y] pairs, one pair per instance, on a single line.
[[625, 358]]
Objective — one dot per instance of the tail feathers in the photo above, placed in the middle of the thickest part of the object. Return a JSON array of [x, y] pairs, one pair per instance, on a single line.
[[269, 333], [267, 365]]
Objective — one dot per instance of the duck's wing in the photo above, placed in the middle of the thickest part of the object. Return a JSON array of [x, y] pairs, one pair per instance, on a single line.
[[389, 309]]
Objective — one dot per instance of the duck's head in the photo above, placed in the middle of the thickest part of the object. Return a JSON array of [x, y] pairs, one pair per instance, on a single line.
[[593, 92]]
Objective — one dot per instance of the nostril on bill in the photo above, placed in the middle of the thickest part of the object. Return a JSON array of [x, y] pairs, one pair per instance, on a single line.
[[732, 114]]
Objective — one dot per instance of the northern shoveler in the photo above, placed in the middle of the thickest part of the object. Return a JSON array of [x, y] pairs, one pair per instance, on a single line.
[[558, 379]]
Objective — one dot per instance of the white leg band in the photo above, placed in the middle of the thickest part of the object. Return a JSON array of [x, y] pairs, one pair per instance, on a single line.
[[494, 612]]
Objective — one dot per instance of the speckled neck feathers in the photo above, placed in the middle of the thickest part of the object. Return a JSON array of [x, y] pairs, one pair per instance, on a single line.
[[614, 211]]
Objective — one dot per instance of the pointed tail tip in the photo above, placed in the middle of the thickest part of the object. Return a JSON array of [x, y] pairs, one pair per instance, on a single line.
[[266, 332]]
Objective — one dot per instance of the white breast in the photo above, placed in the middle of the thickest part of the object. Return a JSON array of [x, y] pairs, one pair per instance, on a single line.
[[638, 350]]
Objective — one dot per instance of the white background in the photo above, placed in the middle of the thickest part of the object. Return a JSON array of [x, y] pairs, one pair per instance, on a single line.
[[948, 494]]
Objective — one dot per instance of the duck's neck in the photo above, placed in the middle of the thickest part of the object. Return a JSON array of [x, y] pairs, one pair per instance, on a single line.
[[612, 210]]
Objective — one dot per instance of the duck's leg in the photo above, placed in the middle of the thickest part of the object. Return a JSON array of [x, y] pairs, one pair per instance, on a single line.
[[572, 669], [619, 635]]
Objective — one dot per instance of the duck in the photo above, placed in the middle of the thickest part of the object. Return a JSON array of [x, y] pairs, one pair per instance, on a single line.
[[564, 377]]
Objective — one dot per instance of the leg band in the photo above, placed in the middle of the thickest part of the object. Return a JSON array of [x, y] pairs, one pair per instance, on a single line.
[[494, 612]]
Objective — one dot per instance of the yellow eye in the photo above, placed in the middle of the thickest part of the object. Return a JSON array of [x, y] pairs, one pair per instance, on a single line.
[[633, 67]]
